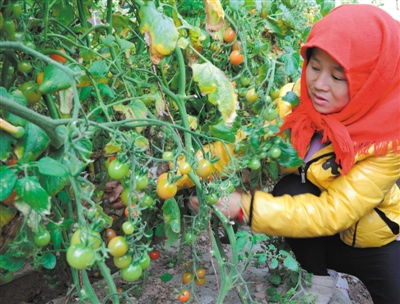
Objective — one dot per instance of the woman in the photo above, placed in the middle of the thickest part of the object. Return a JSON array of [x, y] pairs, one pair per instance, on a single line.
[[342, 211]]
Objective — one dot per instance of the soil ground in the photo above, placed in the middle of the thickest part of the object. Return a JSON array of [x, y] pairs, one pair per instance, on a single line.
[[53, 287]]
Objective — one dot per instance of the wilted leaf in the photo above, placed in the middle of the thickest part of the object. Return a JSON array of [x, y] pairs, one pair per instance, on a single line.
[[214, 83], [135, 110], [159, 30], [215, 18]]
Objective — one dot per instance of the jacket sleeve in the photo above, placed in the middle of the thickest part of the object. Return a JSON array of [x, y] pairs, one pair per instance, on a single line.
[[347, 199]]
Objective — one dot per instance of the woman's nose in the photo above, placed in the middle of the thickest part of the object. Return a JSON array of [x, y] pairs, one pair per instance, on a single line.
[[321, 82]]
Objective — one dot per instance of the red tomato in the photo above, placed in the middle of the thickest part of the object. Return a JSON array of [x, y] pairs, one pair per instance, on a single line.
[[235, 58], [229, 35], [58, 58], [154, 254]]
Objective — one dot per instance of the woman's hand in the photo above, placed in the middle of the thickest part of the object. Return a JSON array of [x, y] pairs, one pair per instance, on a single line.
[[228, 205]]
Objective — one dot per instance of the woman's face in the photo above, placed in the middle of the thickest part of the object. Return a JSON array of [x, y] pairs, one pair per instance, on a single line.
[[326, 83]]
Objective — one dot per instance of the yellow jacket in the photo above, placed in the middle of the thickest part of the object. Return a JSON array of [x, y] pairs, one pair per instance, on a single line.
[[363, 205]]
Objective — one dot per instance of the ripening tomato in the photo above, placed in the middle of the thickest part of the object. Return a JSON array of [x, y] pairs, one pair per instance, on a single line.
[[122, 261], [131, 273], [80, 257], [201, 273], [58, 57], [204, 168], [183, 166], [39, 77], [251, 95], [117, 170], [147, 201], [31, 92], [118, 246], [236, 58], [154, 254], [168, 155], [42, 237], [165, 189], [187, 277], [200, 282], [236, 46], [229, 35], [184, 296], [110, 234]]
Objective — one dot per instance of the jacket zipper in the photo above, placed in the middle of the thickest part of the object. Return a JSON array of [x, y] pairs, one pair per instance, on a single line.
[[304, 167]]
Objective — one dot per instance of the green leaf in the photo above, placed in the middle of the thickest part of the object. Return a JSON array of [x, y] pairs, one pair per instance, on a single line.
[[54, 79], [273, 169], [34, 142], [5, 145], [20, 99], [214, 83], [85, 92], [292, 98], [31, 192], [56, 235], [291, 63], [52, 167], [172, 221], [8, 178], [274, 263], [99, 68], [289, 157], [275, 279], [166, 277], [289, 261], [224, 132], [105, 90], [159, 30], [48, 260], [10, 263], [135, 110]]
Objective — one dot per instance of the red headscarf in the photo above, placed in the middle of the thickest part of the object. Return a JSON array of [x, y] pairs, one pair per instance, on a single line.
[[365, 40]]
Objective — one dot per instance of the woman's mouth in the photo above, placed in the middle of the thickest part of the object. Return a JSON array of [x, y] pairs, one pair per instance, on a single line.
[[319, 100]]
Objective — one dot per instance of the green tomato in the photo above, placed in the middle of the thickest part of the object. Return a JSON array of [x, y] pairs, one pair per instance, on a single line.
[[141, 142], [128, 227], [245, 81], [42, 237], [270, 114], [254, 164], [117, 170], [126, 200], [144, 261], [90, 238], [131, 273], [141, 182], [275, 152], [122, 261], [147, 201], [168, 155], [189, 237], [80, 256], [212, 198], [24, 66]]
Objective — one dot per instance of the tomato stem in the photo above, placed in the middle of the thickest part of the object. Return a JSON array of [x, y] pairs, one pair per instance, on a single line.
[[105, 272]]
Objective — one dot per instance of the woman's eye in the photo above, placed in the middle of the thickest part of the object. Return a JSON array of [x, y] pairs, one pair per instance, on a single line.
[[314, 68], [338, 78]]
